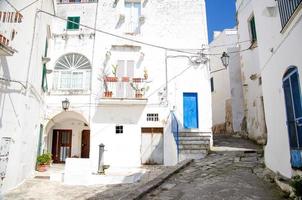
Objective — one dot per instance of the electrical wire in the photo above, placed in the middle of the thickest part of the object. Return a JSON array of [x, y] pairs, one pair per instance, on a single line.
[[25, 7], [118, 36], [11, 5], [14, 81]]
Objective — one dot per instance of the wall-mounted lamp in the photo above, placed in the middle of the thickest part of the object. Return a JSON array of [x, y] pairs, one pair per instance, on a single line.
[[225, 59], [65, 104]]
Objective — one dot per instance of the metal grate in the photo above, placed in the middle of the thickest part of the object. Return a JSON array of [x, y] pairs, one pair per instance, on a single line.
[[287, 9]]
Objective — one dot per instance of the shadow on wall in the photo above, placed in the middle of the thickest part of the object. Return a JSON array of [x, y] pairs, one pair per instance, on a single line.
[[5, 90], [118, 114]]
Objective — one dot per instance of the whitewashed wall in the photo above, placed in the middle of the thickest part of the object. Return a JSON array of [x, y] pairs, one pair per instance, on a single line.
[[184, 26], [277, 51], [22, 110], [250, 68]]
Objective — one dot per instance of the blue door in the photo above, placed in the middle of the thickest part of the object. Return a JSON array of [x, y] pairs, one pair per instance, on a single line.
[[190, 109], [291, 87]]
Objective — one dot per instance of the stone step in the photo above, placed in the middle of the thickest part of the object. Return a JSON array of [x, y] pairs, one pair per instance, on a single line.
[[194, 138], [193, 151], [191, 156], [194, 141], [191, 134], [194, 146]]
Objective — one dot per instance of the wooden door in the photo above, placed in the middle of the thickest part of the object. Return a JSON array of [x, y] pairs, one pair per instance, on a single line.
[[85, 144], [190, 109], [152, 146], [61, 145]]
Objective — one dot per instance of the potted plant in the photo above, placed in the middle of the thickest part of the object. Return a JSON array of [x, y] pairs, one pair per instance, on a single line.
[[43, 162], [145, 74], [139, 91], [296, 183]]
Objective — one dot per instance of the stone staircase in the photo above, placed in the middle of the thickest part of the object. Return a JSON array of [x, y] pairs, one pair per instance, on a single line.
[[193, 145]]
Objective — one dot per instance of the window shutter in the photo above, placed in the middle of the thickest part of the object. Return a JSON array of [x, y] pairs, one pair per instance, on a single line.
[[44, 79]]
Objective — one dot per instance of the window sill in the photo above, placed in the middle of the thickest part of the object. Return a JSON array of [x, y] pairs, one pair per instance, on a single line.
[[70, 92]]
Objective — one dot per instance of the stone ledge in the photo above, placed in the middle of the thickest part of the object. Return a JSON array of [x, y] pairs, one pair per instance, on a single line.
[[151, 185]]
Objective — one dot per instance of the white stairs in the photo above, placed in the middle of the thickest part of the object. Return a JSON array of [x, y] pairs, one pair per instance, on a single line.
[[193, 145]]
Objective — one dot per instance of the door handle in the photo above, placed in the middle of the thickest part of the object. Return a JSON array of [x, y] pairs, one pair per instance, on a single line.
[[299, 122]]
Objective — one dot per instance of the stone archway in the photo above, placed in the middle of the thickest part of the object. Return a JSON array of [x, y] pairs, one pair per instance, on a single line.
[[67, 134]]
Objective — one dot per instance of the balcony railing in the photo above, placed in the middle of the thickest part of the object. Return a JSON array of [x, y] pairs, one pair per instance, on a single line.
[[5, 50], [124, 88], [287, 9], [76, 1], [10, 17]]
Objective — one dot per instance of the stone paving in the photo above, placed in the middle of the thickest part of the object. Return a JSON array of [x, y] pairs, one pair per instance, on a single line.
[[39, 189], [222, 175]]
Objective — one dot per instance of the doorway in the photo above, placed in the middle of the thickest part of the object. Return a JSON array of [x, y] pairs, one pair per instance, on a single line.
[[152, 151], [85, 145], [61, 145], [292, 94], [190, 110]]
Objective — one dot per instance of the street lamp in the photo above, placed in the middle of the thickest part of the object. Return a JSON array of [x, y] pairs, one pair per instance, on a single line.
[[65, 104], [225, 59]]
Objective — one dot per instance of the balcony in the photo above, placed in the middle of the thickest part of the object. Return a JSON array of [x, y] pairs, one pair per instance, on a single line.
[[124, 90], [75, 1], [287, 9], [5, 50], [10, 17]]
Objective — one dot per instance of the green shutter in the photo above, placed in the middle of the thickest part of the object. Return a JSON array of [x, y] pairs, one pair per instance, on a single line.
[[253, 29], [73, 23], [44, 79]]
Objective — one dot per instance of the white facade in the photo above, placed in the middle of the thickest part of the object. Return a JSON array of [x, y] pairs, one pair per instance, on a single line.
[[21, 95], [278, 50], [227, 95], [254, 122], [170, 74]]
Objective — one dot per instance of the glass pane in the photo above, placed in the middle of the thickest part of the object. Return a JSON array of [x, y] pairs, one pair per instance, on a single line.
[[77, 80], [290, 114], [296, 94], [65, 81], [87, 80]]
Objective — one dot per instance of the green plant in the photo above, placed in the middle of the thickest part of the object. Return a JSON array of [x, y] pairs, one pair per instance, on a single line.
[[114, 70], [44, 159], [143, 89], [296, 183]]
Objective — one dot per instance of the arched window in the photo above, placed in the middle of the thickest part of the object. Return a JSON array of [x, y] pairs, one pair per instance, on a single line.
[[72, 72]]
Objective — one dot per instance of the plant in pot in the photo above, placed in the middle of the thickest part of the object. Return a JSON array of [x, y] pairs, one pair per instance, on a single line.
[[296, 183], [139, 91], [43, 161]]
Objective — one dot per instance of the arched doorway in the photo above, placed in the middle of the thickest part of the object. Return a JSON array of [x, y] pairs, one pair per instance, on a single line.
[[68, 135], [292, 94]]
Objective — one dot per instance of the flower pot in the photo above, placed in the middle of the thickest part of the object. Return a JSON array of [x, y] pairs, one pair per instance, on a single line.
[[125, 79], [42, 167], [110, 79], [138, 95], [108, 94]]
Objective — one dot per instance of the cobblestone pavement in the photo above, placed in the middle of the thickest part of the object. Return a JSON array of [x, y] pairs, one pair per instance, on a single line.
[[222, 175], [39, 189]]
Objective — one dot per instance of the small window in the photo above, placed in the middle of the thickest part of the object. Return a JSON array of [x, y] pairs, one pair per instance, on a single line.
[[260, 80], [73, 23], [153, 117], [44, 79], [253, 32], [212, 84], [119, 129]]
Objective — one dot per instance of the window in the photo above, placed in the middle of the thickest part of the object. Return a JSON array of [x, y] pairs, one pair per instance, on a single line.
[[73, 23], [72, 72], [119, 129], [132, 16], [44, 79], [125, 68], [287, 9], [153, 117], [212, 84], [253, 33]]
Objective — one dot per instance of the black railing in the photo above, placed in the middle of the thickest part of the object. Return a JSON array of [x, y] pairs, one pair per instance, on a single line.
[[287, 9], [76, 1]]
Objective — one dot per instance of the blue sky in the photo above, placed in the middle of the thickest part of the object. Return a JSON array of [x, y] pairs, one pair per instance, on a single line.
[[221, 14]]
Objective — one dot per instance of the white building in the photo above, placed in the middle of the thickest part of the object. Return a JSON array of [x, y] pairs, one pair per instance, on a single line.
[[122, 92], [23, 48], [275, 28], [226, 84]]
